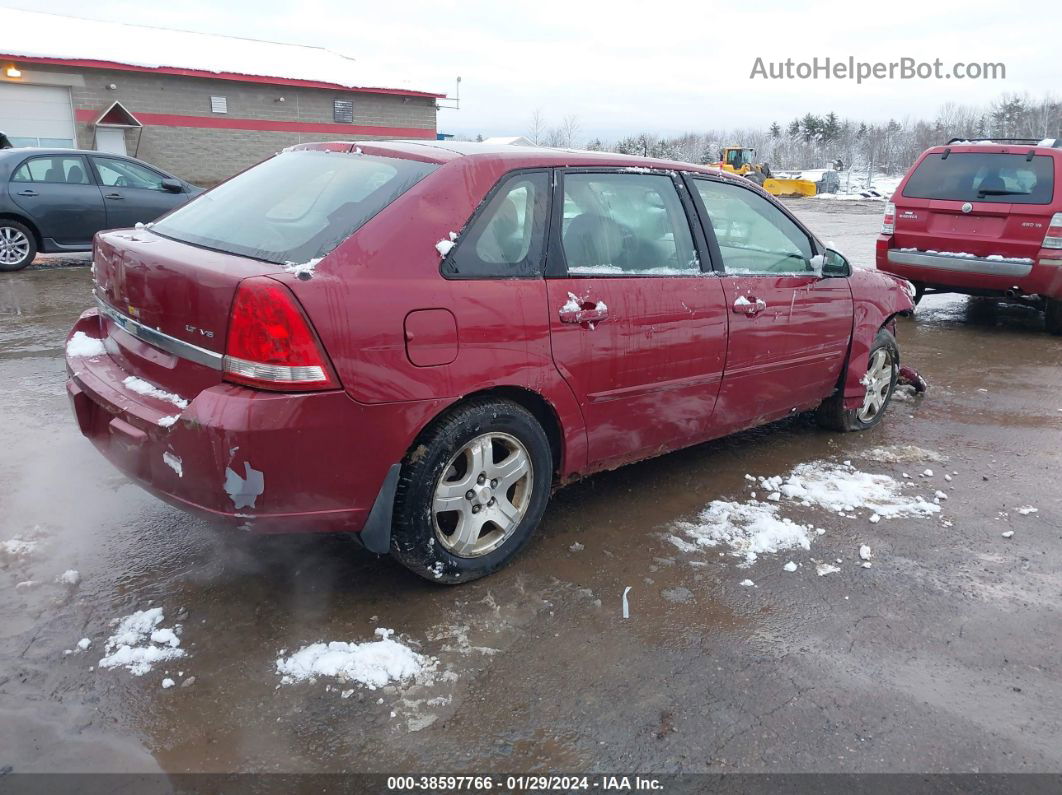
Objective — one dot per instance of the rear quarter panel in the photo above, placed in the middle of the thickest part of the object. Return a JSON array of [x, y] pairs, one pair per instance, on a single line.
[[361, 294]]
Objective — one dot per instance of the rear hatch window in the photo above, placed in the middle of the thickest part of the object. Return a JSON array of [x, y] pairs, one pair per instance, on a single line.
[[983, 177], [295, 207]]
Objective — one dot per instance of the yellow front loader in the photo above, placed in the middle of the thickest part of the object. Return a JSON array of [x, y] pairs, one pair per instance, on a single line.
[[742, 161]]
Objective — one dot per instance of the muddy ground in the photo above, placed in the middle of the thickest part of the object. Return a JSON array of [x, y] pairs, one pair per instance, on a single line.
[[943, 656]]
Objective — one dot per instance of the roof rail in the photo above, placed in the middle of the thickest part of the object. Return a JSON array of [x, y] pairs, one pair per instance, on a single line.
[[1055, 142]]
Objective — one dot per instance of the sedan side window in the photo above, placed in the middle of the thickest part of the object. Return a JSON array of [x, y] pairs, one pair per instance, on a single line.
[[62, 170], [506, 239], [123, 174], [625, 224], [754, 236]]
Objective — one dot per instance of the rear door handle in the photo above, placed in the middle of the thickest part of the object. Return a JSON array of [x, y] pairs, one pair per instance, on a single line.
[[28, 193], [749, 306], [113, 196], [579, 316]]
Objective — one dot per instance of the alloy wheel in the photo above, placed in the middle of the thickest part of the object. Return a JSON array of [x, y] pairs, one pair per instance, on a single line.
[[14, 245], [482, 495], [878, 381]]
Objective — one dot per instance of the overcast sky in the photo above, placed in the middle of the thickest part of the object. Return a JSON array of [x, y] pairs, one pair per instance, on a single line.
[[624, 67]]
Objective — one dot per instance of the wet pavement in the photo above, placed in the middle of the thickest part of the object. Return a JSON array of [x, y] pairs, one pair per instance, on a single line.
[[943, 656]]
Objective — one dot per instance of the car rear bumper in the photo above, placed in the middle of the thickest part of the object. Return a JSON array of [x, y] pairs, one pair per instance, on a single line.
[[1041, 275], [266, 462]]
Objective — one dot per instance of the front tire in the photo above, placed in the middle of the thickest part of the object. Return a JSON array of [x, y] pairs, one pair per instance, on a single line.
[[472, 491], [883, 369], [1053, 316], [18, 246]]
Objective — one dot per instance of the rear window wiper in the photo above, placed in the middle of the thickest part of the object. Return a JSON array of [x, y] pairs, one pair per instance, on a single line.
[[1002, 193]]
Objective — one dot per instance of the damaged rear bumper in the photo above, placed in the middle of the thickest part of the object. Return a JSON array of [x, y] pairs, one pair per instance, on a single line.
[[265, 462]]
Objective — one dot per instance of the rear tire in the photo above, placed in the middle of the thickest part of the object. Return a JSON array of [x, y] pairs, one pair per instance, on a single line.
[[493, 450], [18, 246], [1053, 316], [882, 371]]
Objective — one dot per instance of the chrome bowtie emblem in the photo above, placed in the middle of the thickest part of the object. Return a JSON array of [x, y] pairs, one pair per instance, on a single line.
[[967, 207]]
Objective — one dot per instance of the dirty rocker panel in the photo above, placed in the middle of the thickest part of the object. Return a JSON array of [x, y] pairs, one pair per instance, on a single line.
[[988, 267]]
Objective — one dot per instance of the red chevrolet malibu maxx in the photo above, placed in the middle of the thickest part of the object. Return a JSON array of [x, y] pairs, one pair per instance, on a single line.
[[981, 217], [418, 342]]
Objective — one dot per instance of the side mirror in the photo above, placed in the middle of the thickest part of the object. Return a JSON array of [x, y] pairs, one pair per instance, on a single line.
[[835, 265], [173, 185]]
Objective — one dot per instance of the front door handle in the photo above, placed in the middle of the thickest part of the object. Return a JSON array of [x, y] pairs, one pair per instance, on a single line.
[[113, 196], [750, 306], [28, 193]]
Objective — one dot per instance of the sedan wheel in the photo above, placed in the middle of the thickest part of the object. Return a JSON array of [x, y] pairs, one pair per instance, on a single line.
[[879, 383], [483, 495], [17, 247]]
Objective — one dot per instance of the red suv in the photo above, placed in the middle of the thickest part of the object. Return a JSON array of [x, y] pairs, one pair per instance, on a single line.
[[981, 217], [418, 342]]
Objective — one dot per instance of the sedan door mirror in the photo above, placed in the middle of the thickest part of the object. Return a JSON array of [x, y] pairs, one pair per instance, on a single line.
[[173, 185], [834, 264]]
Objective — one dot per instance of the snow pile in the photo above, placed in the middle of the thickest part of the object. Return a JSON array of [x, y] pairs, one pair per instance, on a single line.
[[373, 664], [898, 453], [750, 529], [17, 547], [142, 387], [444, 245], [139, 642], [81, 344], [841, 488], [69, 577]]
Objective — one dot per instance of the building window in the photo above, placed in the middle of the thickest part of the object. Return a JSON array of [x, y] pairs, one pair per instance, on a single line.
[[343, 111], [219, 105]]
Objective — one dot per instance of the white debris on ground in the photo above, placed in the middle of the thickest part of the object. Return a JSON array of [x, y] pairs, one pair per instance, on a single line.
[[842, 488], [901, 453], [69, 577], [822, 569], [142, 387], [17, 547], [790, 566], [444, 246], [1025, 510], [167, 683], [865, 553], [1008, 534], [576, 547], [748, 583], [139, 642], [750, 529], [84, 346], [372, 664]]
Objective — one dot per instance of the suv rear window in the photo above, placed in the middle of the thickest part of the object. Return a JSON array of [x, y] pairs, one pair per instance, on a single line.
[[294, 207], [983, 177]]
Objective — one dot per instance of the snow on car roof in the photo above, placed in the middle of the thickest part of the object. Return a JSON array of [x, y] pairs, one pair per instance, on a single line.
[[37, 35]]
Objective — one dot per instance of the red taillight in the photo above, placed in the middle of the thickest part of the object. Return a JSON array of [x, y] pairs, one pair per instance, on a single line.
[[888, 221], [270, 343], [1053, 238]]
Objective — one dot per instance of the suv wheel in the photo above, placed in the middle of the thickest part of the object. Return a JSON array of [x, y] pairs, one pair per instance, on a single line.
[[880, 382], [18, 247], [471, 492], [1053, 316]]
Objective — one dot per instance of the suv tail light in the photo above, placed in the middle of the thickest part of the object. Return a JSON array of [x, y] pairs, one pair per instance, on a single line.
[[888, 221], [1053, 238], [270, 344]]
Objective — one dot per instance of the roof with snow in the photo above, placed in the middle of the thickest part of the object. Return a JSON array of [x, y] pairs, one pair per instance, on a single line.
[[36, 37], [509, 140]]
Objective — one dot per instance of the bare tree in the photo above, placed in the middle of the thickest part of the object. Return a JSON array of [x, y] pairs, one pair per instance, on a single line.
[[570, 130], [537, 130]]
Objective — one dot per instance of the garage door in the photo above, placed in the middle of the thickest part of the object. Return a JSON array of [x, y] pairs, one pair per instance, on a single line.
[[36, 115]]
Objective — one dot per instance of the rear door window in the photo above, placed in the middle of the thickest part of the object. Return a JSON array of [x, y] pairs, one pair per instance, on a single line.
[[63, 170], [983, 177], [625, 224], [294, 207]]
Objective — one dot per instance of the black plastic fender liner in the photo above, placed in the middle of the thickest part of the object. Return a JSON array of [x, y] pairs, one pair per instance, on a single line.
[[376, 535]]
